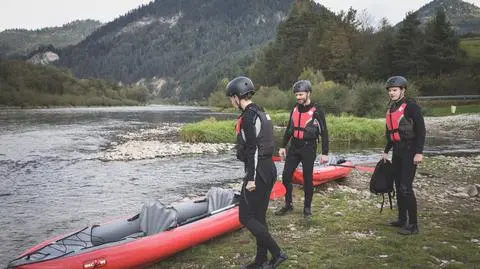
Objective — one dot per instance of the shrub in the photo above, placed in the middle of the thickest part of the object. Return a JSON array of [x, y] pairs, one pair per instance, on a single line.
[[333, 98], [218, 99], [209, 131], [273, 98]]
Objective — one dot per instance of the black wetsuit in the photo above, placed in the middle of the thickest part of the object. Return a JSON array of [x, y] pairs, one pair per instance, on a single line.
[[402, 161], [255, 148], [304, 151]]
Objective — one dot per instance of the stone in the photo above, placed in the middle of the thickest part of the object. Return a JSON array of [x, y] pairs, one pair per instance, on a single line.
[[472, 191]]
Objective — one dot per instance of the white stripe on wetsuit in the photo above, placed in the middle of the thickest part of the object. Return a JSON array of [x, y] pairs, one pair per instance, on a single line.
[[258, 127]]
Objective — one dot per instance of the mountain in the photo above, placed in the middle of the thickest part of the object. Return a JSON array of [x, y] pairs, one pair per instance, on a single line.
[[21, 42], [463, 16], [187, 46]]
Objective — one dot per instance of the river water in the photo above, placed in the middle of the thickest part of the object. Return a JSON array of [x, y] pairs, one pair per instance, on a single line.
[[53, 181]]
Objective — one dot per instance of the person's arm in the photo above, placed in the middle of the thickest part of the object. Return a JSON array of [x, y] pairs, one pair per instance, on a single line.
[[249, 130], [415, 113], [288, 132], [324, 134]]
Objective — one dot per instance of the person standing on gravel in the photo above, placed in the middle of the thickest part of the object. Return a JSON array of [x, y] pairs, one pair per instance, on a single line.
[[405, 133], [255, 146], [305, 127]]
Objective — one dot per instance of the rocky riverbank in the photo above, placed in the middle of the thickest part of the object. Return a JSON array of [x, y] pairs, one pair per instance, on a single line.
[[164, 141], [461, 126]]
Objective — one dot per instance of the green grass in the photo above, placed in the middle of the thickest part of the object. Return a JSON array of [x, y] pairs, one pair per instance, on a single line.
[[358, 239], [209, 131], [352, 129], [344, 129], [446, 110], [471, 46]]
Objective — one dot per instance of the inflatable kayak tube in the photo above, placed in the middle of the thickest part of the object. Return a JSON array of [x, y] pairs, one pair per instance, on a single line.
[[323, 174]]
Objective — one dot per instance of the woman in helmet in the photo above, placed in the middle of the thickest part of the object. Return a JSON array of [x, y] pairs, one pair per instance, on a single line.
[[307, 124], [255, 146], [405, 132]]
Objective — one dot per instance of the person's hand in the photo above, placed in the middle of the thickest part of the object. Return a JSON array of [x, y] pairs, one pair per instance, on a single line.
[[323, 159], [418, 158], [282, 152], [384, 156], [250, 185]]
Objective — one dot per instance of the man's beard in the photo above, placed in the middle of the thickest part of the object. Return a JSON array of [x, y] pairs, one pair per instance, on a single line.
[[301, 101]]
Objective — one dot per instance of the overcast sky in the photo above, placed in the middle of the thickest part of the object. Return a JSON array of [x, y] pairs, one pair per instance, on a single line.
[[35, 14]]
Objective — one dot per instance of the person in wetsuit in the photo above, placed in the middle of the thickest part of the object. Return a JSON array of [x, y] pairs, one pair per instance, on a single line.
[[305, 127], [255, 146], [405, 133]]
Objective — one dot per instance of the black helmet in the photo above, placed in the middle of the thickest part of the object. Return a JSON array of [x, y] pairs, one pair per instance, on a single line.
[[396, 81], [240, 86], [302, 86]]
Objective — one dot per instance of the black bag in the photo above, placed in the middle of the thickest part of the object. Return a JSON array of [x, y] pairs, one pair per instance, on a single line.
[[382, 181]]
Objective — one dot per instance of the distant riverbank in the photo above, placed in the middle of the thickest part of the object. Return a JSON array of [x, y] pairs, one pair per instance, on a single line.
[[212, 136]]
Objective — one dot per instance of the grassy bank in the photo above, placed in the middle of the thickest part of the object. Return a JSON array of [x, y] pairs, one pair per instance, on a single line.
[[347, 230], [471, 46], [446, 110], [209, 131], [344, 129]]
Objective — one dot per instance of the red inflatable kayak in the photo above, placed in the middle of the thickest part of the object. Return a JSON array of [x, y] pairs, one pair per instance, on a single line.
[[324, 174], [157, 232]]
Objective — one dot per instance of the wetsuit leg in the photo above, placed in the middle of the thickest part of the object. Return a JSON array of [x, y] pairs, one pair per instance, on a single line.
[[291, 162], [252, 211], [397, 175], [309, 153], [405, 187]]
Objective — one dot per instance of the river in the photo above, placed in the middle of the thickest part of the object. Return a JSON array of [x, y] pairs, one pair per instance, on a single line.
[[53, 179]]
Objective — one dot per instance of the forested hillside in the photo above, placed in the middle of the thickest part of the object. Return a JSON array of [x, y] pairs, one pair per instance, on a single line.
[[21, 42], [346, 51], [188, 44], [28, 85]]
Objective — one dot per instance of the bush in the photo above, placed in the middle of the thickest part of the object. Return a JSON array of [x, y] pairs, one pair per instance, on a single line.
[[218, 99], [274, 98], [453, 84], [333, 98], [369, 99], [280, 118], [314, 77]]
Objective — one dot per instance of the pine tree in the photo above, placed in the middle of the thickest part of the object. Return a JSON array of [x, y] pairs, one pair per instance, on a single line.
[[441, 45], [383, 52], [407, 51]]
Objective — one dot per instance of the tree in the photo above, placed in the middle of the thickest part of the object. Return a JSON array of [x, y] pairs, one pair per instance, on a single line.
[[382, 63], [407, 51], [441, 45]]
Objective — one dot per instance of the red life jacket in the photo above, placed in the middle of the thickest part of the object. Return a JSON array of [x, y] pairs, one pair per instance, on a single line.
[[305, 125], [399, 127]]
